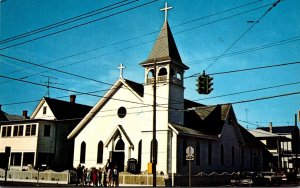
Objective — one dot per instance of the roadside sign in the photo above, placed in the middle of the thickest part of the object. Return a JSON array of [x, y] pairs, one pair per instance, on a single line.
[[189, 153]]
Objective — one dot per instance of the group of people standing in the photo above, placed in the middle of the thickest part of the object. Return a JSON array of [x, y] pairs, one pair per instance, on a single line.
[[102, 177]]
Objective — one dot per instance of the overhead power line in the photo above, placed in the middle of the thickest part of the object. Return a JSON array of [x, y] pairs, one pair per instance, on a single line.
[[86, 93], [69, 90], [248, 91], [66, 21], [56, 70], [80, 25], [244, 33], [219, 96], [143, 43], [281, 42], [248, 100], [247, 69], [145, 105], [60, 97], [134, 46], [265, 98], [60, 71]]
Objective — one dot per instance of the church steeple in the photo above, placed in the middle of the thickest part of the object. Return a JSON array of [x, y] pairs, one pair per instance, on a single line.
[[165, 65], [165, 48]]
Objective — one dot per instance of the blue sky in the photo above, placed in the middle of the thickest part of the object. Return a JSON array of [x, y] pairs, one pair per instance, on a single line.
[[197, 40]]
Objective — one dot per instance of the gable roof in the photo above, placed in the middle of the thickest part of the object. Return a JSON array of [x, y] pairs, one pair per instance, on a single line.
[[250, 139], [209, 121], [137, 90], [181, 130], [119, 130], [206, 119], [4, 117], [165, 48], [63, 110], [67, 110]]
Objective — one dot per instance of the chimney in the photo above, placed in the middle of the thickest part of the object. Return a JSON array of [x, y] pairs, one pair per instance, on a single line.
[[25, 114], [72, 98], [271, 127]]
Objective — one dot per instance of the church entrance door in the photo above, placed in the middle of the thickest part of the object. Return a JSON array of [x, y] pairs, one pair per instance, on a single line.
[[118, 156], [118, 159]]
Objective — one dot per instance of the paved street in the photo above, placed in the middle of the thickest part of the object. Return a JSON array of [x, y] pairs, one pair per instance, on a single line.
[[24, 184]]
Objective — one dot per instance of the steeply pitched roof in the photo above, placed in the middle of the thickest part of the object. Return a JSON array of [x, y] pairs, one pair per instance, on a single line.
[[138, 88], [249, 139], [188, 131], [3, 116], [9, 117], [64, 110], [165, 48], [206, 119]]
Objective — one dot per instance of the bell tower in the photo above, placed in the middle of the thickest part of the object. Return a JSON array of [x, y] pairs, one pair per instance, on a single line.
[[169, 76]]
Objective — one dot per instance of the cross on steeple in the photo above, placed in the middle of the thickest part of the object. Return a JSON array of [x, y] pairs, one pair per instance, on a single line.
[[166, 8], [121, 67]]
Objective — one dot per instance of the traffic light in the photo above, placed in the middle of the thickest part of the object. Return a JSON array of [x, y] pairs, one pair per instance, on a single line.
[[204, 84], [201, 84], [208, 84]]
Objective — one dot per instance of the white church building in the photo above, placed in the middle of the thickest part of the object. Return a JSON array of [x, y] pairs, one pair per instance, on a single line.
[[120, 126]]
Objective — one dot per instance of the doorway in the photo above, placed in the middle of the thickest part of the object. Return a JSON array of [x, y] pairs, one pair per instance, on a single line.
[[118, 159], [118, 156]]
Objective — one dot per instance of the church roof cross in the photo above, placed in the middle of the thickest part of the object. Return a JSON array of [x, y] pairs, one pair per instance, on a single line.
[[121, 67], [166, 8]]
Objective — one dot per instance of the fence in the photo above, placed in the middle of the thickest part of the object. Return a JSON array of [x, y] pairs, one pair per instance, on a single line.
[[140, 179], [47, 176], [201, 179], [69, 177]]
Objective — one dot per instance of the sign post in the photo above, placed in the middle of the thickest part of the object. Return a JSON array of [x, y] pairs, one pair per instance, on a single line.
[[190, 157]]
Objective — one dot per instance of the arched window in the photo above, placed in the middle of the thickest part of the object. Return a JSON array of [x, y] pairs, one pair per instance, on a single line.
[[184, 146], [150, 73], [222, 154], [82, 152], [209, 153], [100, 152], [198, 153], [120, 145], [162, 72], [179, 75]]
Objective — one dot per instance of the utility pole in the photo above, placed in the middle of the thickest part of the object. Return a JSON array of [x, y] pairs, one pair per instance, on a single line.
[[246, 110], [154, 145], [296, 141]]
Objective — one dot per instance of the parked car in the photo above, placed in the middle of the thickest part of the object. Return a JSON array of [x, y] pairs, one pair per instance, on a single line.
[[248, 178], [271, 178], [282, 175]]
